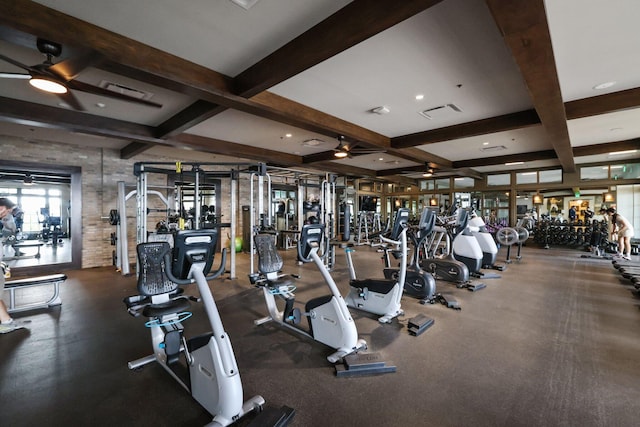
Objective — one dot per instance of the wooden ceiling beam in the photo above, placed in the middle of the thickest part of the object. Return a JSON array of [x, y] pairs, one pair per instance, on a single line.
[[194, 114], [503, 123], [523, 24], [349, 26], [31, 114], [610, 147], [608, 103], [226, 148], [522, 157]]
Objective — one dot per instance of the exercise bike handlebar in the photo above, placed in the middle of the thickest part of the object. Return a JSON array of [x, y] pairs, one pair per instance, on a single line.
[[190, 280]]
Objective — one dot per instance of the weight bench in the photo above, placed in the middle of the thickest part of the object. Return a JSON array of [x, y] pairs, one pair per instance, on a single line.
[[55, 280], [17, 246]]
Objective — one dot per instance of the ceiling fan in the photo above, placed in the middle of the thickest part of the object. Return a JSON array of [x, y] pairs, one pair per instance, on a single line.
[[58, 78], [349, 149]]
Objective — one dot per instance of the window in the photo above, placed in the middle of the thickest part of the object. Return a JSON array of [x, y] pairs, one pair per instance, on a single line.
[[594, 172], [527, 177], [501, 179], [554, 175], [442, 183], [627, 171], [464, 182]]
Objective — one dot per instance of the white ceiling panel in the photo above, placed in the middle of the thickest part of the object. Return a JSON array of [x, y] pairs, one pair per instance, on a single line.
[[453, 43]]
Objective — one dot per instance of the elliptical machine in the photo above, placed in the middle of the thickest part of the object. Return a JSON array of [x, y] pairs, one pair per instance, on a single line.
[[381, 296], [478, 229], [214, 379], [445, 266], [419, 283], [329, 319]]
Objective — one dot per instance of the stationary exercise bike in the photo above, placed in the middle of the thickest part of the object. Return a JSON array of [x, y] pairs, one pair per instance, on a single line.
[[381, 296], [214, 379], [329, 319]]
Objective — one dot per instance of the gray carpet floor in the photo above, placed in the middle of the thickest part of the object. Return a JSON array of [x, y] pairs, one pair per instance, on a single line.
[[554, 342]]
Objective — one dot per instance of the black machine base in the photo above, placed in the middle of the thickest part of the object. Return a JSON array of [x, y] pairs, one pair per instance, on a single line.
[[361, 364], [445, 299], [273, 417], [472, 286], [483, 275], [420, 323]]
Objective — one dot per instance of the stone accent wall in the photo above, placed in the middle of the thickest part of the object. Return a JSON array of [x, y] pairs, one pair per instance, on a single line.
[[102, 169]]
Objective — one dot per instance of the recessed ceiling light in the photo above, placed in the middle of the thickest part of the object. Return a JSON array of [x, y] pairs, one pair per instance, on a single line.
[[485, 143], [101, 104], [513, 163], [604, 85], [288, 135], [380, 159], [419, 97]]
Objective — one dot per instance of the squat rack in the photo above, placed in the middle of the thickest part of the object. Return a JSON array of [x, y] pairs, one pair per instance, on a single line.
[[141, 171]]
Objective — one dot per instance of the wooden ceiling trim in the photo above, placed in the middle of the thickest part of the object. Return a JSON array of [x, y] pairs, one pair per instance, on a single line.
[[502, 123], [602, 104], [194, 114], [591, 150], [522, 157], [523, 24], [421, 156], [134, 148], [227, 148], [351, 25], [30, 114], [342, 169]]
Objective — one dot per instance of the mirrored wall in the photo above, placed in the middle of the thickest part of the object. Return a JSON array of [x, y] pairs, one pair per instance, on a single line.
[[47, 216]]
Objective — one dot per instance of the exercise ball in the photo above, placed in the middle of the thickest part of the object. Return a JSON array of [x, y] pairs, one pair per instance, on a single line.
[[238, 244]]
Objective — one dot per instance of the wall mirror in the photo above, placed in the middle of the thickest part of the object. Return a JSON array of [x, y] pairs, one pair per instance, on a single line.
[[48, 216]]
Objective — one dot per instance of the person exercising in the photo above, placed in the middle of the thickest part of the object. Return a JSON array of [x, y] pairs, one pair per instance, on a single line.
[[8, 229], [625, 231]]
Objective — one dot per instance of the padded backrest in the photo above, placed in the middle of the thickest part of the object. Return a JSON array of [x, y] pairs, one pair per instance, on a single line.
[[152, 279], [190, 245], [311, 233], [402, 219], [461, 221], [427, 220], [269, 260]]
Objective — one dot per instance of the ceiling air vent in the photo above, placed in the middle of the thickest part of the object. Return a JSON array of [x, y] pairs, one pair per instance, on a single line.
[[125, 90], [440, 112], [312, 142], [493, 148]]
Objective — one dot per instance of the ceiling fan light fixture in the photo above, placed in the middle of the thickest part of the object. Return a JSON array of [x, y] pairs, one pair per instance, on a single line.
[[28, 179], [47, 84], [341, 154]]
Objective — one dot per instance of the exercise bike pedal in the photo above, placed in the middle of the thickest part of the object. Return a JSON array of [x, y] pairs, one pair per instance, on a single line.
[[296, 316], [419, 324], [475, 286], [449, 301], [272, 417], [360, 364]]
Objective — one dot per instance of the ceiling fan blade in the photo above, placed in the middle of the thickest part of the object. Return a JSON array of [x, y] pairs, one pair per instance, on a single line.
[[71, 67], [16, 63], [15, 76], [85, 87], [70, 99]]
